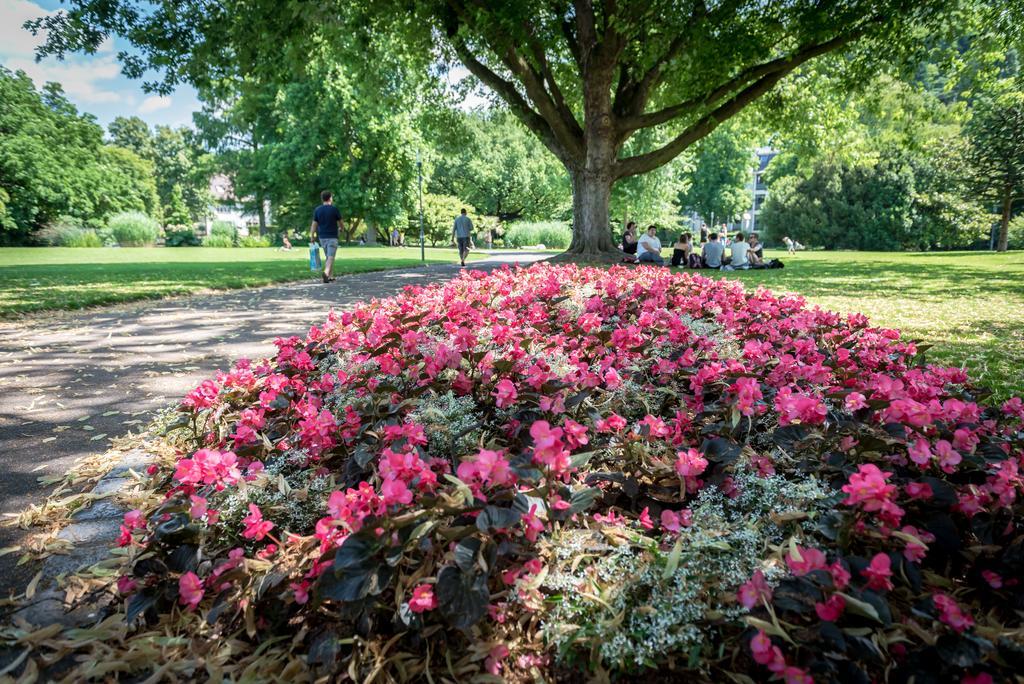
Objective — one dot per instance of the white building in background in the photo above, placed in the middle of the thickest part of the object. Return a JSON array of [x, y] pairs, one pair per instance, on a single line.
[[757, 188], [227, 207]]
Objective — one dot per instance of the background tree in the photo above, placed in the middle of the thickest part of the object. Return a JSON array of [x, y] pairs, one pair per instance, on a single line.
[[722, 166], [582, 77], [492, 161], [54, 164], [996, 155]]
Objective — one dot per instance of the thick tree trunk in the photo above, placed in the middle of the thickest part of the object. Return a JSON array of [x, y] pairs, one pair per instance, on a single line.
[[591, 193], [1004, 224], [262, 214]]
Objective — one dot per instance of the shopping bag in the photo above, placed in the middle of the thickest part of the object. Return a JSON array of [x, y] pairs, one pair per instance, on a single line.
[[314, 256]]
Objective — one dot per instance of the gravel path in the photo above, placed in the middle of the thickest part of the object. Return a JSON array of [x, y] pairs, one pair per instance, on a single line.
[[72, 381]]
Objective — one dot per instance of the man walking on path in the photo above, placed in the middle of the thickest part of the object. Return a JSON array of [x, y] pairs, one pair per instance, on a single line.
[[463, 229], [324, 229]]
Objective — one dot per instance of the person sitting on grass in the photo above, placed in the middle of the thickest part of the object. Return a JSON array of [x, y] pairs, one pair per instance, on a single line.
[[650, 247], [324, 229], [711, 255], [739, 249], [756, 254], [629, 240], [682, 250], [286, 244]]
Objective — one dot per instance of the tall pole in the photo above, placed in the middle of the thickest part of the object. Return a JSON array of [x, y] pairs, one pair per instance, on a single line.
[[753, 204], [419, 173]]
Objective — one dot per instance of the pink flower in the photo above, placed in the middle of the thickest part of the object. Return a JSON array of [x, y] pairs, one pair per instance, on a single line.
[[855, 401], [575, 434], [505, 393], [301, 590], [754, 590], [879, 572], [796, 407], [690, 463], [256, 528], [674, 522], [803, 560], [840, 575], [394, 492], [548, 448], [994, 579], [532, 524], [949, 457], [190, 590], [767, 654], [423, 599], [951, 614], [980, 678], [920, 452], [613, 423], [126, 585], [748, 393], [830, 610], [198, 509], [919, 490], [134, 520], [868, 488], [645, 519], [796, 675], [493, 661]]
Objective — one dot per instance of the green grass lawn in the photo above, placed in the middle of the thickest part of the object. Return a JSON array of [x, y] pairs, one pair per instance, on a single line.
[[970, 305], [43, 278]]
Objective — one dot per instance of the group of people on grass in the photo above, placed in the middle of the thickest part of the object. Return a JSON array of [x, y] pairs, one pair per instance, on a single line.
[[745, 252]]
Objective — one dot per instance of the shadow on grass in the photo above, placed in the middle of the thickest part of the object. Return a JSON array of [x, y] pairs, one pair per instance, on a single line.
[[25, 288], [940, 282]]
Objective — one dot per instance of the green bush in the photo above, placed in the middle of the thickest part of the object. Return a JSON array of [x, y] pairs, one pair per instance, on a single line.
[[254, 241], [553, 234], [180, 236], [215, 240], [133, 229], [66, 233], [1017, 233]]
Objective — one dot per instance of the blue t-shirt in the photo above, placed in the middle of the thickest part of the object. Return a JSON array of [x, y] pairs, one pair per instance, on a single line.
[[327, 217]]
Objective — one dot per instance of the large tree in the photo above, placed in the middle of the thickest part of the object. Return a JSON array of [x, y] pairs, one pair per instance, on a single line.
[[996, 155], [584, 77]]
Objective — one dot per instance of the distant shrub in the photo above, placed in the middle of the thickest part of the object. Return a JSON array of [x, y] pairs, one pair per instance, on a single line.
[[215, 240], [553, 234], [225, 228], [1017, 233], [254, 241], [65, 232], [180, 236], [133, 229]]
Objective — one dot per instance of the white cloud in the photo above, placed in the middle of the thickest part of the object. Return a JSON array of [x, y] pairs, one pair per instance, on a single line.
[[82, 76], [154, 103], [14, 40]]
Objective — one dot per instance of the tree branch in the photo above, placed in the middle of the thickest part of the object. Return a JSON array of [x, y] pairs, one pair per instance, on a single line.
[[517, 103], [782, 65], [643, 163]]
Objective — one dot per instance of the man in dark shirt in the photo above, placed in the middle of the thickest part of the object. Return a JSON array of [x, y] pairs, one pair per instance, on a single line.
[[324, 229]]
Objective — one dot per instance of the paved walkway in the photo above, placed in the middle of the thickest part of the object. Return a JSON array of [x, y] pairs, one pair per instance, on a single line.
[[72, 381]]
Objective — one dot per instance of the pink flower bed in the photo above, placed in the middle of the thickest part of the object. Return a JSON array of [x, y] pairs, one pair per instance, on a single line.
[[408, 472]]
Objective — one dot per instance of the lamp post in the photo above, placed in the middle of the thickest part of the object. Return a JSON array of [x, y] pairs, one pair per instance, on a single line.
[[753, 203], [419, 173]]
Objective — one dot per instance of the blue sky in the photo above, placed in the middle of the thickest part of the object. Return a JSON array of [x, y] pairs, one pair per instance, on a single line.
[[94, 83]]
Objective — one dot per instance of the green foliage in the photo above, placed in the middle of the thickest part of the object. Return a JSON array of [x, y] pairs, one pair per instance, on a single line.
[[133, 229], [1015, 233], [996, 153], [53, 163], [551, 234], [65, 232], [215, 240], [493, 161], [254, 241], [180, 236], [222, 234], [439, 212], [723, 165]]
